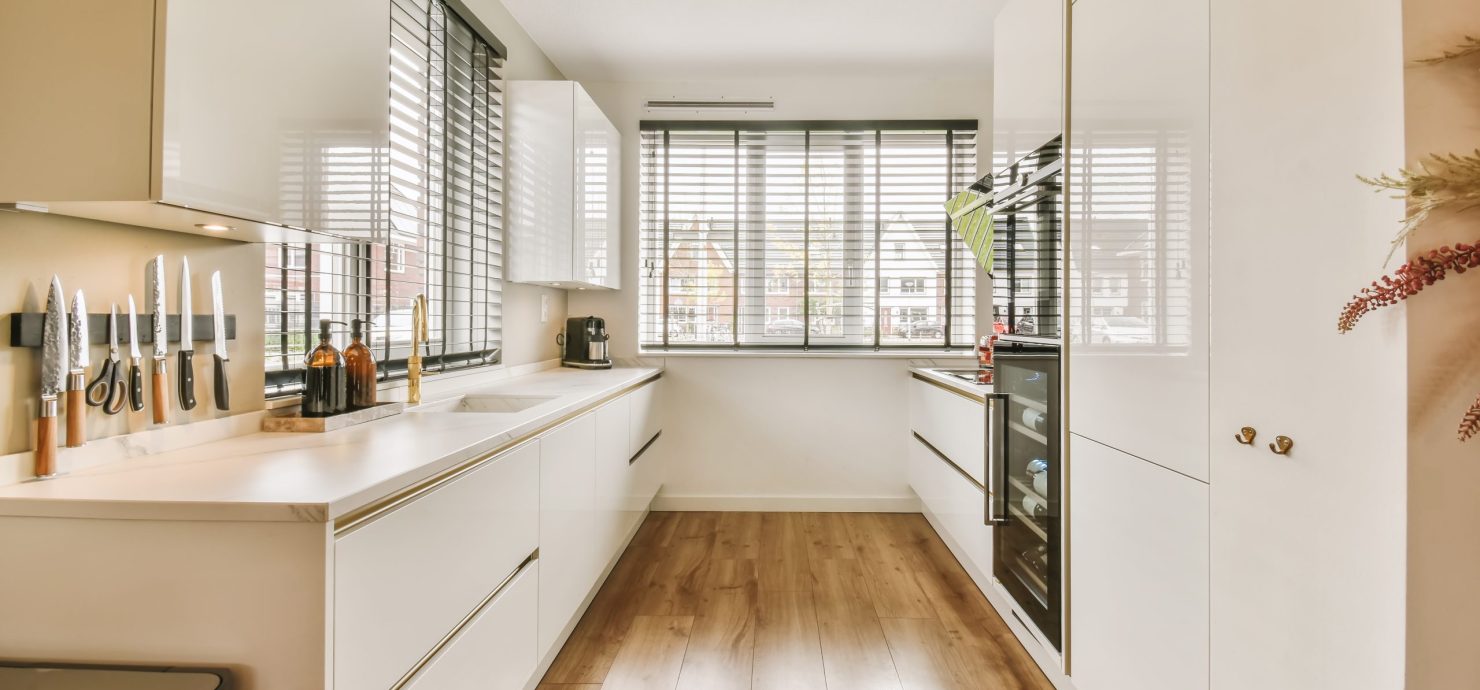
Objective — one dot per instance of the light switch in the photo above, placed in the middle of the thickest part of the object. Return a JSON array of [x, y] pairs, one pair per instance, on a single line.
[[544, 309]]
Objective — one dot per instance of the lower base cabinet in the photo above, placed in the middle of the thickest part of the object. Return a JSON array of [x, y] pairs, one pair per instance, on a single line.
[[1138, 573], [957, 503], [494, 651]]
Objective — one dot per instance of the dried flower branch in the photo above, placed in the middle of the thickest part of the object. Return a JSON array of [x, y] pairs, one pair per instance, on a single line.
[[1438, 181], [1470, 46], [1410, 279], [1470, 425]]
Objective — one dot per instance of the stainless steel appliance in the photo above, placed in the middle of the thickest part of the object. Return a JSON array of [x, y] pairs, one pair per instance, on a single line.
[[585, 342], [1028, 250], [1023, 459]]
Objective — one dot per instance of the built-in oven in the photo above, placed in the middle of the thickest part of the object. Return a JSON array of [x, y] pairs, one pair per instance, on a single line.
[[1027, 244], [1024, 501]]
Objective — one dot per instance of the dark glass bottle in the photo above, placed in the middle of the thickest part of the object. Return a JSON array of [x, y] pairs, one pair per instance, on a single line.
[[359, 365], [323, 377]]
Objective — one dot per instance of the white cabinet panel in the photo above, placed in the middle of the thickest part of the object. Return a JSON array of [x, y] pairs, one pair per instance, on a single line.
[[1139, 573], [1027, 78], [1308, 549], [564, 158], [953, 424], [958, 506], [616, 479], [496, 650], [569, 548], [405, 580], [646, 422], [1139, 229]]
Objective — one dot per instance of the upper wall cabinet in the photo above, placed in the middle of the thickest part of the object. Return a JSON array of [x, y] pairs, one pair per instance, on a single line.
[[263, 117], [564, 187], [1027, 78]]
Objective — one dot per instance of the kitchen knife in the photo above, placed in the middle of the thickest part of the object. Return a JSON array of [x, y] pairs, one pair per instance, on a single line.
[[218, 326], [159, 388], [77, 363], [53, 379], [186, 372], [135, 374]]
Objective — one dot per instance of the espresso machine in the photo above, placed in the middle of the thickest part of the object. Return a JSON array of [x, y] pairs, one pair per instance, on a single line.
[[585, 342]]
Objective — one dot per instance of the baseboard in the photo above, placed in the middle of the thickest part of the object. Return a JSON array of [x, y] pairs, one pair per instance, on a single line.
[[789, 504]]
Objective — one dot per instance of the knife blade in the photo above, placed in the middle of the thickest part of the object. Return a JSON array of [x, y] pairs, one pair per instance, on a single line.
[[218, 328], [53, 379], [135, 374], [186, 371], [78, 359], [159, 390]]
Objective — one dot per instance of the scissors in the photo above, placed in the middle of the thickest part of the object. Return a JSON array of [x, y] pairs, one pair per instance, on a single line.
[[106, 391]]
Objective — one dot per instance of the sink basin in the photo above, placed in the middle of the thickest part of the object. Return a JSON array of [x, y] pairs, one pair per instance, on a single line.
[[491, 403], [967, 375]]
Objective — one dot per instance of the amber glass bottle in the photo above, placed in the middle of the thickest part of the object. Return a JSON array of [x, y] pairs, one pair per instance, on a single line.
[[359, 366], [323, 377]]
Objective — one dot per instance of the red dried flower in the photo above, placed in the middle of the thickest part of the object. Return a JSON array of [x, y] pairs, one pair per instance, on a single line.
[[1470, 425], [1410, 279]]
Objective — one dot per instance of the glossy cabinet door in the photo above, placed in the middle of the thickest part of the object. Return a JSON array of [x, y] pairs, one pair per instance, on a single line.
[[954, 425], [1027, 78], [1139, 576], [956, 505], [495, 650], [569, 541], [275, 109], [597, 195], [1308, 549], [1138, 221], [616, 480]]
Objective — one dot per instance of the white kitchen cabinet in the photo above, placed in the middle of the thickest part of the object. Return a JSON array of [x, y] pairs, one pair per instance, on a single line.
[[564, 194], [494, 651], [1027, 78], [202, 125], [615, 476], [570, 548], [397, 590], [1140, 573], [953, 424], [955, 503]]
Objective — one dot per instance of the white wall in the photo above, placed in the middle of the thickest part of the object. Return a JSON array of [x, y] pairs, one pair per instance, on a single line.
[[795, 428]]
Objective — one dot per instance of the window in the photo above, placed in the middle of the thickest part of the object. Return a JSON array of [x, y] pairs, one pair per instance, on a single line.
[[804, 235], [421, 214]]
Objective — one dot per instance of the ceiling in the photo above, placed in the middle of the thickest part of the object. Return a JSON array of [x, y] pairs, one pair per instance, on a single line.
[[680, 40]]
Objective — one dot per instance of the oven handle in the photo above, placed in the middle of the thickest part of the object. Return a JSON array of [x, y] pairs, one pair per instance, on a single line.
[[996, 442]]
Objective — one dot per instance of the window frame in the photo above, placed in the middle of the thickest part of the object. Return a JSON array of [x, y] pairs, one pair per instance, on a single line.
[[953, 249]]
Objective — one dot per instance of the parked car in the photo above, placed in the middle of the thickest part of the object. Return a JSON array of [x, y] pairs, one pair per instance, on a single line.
[[924, 330], [1120, 330]]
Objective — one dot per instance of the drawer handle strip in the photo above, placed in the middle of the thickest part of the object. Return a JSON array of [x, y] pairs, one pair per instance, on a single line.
[[447, 639], [644, 448], [355, 519], [964, 474], [946, 388]]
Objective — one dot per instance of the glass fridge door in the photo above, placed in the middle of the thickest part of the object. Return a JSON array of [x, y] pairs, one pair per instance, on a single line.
[[1026, 458]]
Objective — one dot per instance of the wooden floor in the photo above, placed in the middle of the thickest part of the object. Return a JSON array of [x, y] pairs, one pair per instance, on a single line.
[[795, 601]]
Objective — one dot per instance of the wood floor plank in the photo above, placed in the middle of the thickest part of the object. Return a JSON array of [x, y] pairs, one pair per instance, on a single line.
[[657, 530], [588, 653], [722, 644], [788, 655], [855, 654], [783, 562], [827, 536], [652, 655], [569, 686], [738, 536], [890, 567], [733, 574], [925, 656], [992, 657], [678, 577]]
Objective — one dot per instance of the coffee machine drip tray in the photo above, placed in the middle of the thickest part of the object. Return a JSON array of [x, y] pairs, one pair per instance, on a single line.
[[586, 365]]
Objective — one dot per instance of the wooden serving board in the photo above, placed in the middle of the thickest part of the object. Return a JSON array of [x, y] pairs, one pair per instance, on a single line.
[[296, 423]]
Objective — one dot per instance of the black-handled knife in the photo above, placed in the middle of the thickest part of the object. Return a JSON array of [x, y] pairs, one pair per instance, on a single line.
[[186, 372], [135, 373], [218, 331]]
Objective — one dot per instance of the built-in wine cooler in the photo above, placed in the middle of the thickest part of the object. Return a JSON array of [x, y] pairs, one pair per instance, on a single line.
[[1023, 452]]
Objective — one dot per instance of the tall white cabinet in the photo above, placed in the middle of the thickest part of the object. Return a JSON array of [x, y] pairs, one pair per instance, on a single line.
[[564, 187], [1215, 230]]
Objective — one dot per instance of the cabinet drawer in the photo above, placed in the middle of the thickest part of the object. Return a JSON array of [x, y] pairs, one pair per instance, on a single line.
[[405, 580], [959, 507], [646, 417], [496, 650], [954, 425]]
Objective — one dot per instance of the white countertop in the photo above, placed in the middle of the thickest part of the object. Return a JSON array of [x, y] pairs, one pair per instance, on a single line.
[[310, 477], [975, 390]]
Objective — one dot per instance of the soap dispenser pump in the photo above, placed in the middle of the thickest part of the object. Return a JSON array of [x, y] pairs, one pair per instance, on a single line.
[[359, 365], [324, 388]]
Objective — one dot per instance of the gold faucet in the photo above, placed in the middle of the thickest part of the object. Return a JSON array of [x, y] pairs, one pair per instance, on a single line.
[[420, 334]]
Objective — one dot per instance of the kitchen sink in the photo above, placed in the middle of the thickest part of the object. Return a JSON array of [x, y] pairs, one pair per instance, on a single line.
[[967, 375], [485, 404]]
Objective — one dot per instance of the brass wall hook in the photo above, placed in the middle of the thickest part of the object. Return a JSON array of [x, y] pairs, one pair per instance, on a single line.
[[1281, 445], [1245, 435]]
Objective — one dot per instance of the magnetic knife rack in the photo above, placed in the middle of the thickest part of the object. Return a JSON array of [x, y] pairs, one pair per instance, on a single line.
[[25, 328]]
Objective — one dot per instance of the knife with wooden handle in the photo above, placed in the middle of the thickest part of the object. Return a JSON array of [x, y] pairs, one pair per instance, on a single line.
[[159, 390], [186, 369], [53, 379], [218, 330], [77, 362]]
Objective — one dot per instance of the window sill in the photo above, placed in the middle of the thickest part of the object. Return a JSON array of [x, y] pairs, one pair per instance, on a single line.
[[811, 354]]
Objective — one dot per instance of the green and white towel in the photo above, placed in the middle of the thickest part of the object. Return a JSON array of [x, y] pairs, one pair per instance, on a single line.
[[973, 222]]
